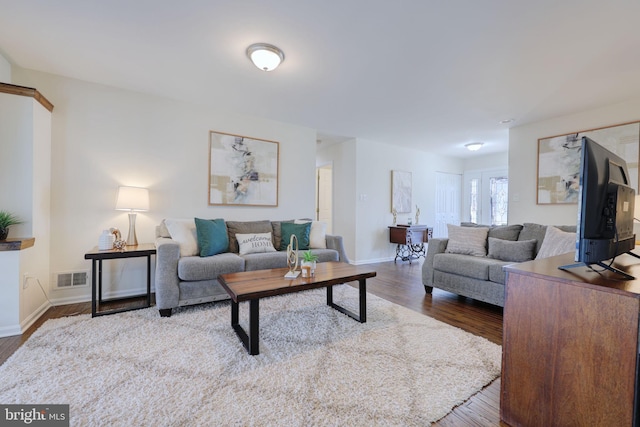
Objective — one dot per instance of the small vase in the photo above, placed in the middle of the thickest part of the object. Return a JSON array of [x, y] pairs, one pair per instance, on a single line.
[[106, 240], [308, 268], [4, 232]]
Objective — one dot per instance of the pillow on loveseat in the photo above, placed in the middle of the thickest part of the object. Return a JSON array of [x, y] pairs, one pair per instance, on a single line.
[[513, 251], [467, 240], [556, 242]]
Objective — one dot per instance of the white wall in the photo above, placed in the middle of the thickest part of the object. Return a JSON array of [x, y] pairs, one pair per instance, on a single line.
[[25, 180], [523, 152], [5, 70], [104, 137], [342, 157], [487, 162], [362, 192]]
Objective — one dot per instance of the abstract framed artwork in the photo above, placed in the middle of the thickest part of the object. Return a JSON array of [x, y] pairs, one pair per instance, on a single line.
[[401, 191], [242, 170], [559, 160]]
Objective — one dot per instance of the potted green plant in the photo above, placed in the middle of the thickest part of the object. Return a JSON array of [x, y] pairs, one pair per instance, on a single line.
[[7, 219], [309, 260]]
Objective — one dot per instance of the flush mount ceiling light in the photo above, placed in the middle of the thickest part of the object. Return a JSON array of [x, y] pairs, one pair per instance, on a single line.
[[474, 146], [265, 56]]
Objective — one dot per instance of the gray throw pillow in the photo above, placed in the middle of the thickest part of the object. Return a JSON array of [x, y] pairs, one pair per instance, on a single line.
[[556, 242], [467, 240], [512, 251]]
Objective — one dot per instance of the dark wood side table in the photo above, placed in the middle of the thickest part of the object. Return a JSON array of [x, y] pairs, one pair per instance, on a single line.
[[410, 240], [97, 256]]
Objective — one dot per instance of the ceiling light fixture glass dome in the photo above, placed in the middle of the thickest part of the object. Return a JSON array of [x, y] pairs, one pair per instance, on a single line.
[[265, 56], [474, 146]]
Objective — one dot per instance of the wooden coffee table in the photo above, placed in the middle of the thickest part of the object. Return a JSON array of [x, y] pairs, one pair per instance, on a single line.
[[253, 285]]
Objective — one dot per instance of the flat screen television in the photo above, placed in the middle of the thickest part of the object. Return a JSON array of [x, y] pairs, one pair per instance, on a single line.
[[605, 208]]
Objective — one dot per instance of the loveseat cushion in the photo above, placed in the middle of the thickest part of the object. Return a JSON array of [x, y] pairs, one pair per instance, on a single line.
[[507, 250], [197, 268], [505, 232], [463, 265], [531, 231], [497, 273], [279, 259], [245, 227]]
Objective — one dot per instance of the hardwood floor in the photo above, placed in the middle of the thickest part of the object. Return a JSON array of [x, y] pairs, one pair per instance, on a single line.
[[399, 283]]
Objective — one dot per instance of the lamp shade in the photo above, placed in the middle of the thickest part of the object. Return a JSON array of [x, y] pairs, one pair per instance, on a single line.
[[132, 199]]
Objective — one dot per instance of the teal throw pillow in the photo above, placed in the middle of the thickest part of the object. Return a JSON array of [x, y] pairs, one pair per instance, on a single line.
[[300, 230], [212, 236]]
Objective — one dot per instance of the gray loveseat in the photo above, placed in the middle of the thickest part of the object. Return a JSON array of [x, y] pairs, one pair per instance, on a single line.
[[193, 279], [482, 277]]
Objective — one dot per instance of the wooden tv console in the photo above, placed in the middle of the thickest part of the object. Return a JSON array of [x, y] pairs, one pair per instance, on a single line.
[[570, 345]]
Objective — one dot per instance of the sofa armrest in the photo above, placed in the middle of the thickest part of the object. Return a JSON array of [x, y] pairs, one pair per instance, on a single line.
[[336, 243], [166, 279], [434, 246]]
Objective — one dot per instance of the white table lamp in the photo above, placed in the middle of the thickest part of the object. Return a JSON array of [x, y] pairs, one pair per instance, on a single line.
[[132, 199]]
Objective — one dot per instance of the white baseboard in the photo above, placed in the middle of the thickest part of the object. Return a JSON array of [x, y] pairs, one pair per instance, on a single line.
[[18, 329], [108, 295]]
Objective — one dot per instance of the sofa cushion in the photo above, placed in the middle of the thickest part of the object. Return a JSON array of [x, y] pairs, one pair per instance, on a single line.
[[463, 265], [507, 250], [497, 273], [265, 260], [197, 268], [255, 243], [556, 242], [531, 231], [505, 232], [301, 231], [183, 231], [467, 240], [245, 227], [212, 236]]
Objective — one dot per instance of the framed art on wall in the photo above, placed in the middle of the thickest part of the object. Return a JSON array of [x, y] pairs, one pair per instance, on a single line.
[[401, 191], [242, 170], [559, 160]]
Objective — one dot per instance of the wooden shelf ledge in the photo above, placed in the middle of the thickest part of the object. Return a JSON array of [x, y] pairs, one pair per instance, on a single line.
[[17, 244]]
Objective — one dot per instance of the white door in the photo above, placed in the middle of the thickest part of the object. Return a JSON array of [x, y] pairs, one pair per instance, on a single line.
[[448, 200], [324, 195]]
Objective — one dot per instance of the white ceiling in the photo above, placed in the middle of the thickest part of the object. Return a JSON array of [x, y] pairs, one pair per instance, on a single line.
[[428, 74]]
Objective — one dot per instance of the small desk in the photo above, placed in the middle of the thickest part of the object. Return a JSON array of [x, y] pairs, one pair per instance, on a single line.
[[97, 256], [410, 240]]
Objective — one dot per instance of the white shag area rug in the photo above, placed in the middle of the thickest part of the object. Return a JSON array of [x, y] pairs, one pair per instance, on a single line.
[[316, 366]]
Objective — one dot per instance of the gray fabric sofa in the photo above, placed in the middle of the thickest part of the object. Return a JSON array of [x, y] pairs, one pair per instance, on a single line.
[[186, 280], [481, 277]]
